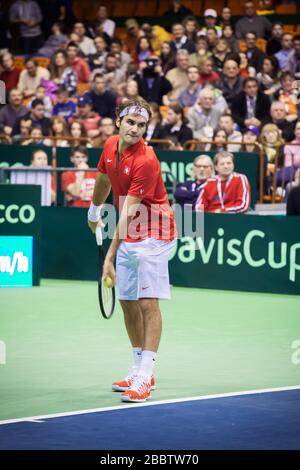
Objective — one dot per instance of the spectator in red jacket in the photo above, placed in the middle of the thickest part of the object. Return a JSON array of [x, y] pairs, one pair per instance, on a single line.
[[10, 74], [229, 192], [79, 66], [78, 186]]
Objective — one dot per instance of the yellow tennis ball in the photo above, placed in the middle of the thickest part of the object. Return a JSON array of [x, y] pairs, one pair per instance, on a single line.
[[108, 281]]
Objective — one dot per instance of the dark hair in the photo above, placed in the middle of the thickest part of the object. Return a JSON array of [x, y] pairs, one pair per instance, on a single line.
[[81, 149], [72, 44], [98, 75], [31, 59], [250, 32], [116, 41], [286, 74], [277, 23], [110, 54], [232, 56], [62, 89], [36, 102], [274, 63], [296, 38], [179, 110], [248, 80]]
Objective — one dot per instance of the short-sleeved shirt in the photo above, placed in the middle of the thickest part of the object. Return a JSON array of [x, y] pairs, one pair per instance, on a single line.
[[137, 173]]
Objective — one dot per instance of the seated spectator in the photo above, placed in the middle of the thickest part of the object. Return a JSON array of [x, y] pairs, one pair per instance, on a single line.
[[251, 107], [128, 92], [40, 94], [220, 53], [154, 128], [220, 137], [35, 138], [28, 16], [37, 114], [78, 186], [143, 50], [103, 100], [123, 58], [230, 83], [58, 132], [245, 69], [250, 140], [180, 40], [286, 49], [255, 56], [226, 18], [293, 202], [177, 77], [251, 22], [103, 24], [187, 193], [210, 20], [177, 10], [203, 117], [228, 34], [107, 129], [212, 38], [274, 44], [133, 34], [291, 159], [9, 73], [207, 73], [90, 119], [229, 192], [61, 73], [176, 125], [112, 74], [31, 77], [268, 78], [54, 42], [152, 84], [39, 159], [25, 130], [189, 96], [11, 112], [64, 106], [167, 57], [97, 60], [201, 54], [293, 62], [79, 134], [271, 142], [226, 122], [278, 116], [191, 28], [79, 66], [86, 44], [286, 95]]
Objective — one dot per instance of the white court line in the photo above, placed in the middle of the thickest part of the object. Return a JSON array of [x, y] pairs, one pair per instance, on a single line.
[[155, 403]]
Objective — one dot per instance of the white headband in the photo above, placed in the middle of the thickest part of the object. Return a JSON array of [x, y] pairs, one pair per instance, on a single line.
[[135, 110]]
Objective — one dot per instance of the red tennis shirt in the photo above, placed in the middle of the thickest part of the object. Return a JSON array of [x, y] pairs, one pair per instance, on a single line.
[[137, 173]]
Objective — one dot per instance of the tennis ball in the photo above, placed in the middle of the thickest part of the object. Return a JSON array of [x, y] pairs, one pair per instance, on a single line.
[[108, 281]]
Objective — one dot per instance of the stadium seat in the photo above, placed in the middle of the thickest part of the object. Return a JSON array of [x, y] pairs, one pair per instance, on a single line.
[[261, 44], [43, 61], [82, 88], [237, 8], [289, 28], [19, 62], [146, 8], [124, 8], [286, 9]]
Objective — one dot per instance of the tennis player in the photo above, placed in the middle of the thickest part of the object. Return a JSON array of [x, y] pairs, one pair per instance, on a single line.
[[143, 241]]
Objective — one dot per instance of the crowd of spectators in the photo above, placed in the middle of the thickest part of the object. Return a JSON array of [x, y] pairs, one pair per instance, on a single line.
[[230, 86]]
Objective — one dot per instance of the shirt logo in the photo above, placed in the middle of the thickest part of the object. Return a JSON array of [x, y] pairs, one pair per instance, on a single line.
[[126, 170], [141, 191], [108, 161]]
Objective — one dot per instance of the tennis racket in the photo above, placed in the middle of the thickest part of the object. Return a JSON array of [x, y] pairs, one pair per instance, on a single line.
[[106, 295]]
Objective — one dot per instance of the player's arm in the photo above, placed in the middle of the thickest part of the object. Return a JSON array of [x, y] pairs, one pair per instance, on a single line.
[[128, 212], [101, 191]]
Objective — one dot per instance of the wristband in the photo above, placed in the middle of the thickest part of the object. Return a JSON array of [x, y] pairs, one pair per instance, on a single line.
[[94, 213]]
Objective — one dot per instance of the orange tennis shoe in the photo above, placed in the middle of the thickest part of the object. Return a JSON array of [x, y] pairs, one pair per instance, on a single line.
[[126, 383], [139, 391]]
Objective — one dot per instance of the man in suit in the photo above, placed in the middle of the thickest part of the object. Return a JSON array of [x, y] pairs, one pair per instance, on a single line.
[[251, 107], [255, 55]]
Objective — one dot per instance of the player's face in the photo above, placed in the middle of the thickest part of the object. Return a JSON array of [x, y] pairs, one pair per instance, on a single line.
[[132, 128], [224, 166]]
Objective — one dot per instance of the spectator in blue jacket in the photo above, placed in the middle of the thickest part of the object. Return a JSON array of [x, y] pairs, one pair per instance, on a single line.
[[187, 193]]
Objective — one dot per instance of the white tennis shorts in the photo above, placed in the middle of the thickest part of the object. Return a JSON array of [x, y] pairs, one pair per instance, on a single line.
[[142, 269]]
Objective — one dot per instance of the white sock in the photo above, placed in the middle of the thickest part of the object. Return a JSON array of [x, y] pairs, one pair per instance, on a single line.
[[137, 359], [147, 364]]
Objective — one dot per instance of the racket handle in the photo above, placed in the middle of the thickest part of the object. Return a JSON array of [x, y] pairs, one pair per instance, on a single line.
[[99, 236]]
